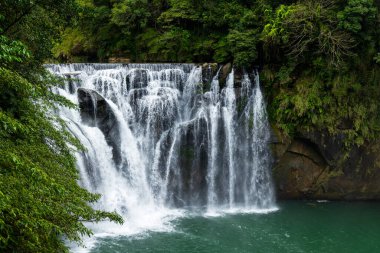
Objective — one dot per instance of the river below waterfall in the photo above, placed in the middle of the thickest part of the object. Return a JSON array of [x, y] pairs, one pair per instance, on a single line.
[[296, 227]]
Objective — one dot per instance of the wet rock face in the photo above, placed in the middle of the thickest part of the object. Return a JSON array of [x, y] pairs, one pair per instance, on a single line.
[[331, 148], [89, 101], [188, 184], [226, 69], [138, 78], [209, 70], [298, 170], [316, 166], [95, 111]]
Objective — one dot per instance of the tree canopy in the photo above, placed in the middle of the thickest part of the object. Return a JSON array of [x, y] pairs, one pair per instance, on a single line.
[[320, 59], [41, 203]]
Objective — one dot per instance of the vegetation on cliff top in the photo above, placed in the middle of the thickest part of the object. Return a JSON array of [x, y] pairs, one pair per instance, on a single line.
[[320, 59], [322, 72]]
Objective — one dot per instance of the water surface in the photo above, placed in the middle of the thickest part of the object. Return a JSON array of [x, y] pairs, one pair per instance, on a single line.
[[296, 227]]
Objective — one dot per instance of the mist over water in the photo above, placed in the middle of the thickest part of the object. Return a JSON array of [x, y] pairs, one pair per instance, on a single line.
[[161, 143]]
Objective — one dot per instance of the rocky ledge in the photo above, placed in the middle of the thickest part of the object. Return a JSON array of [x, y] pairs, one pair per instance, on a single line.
[[319, 166]]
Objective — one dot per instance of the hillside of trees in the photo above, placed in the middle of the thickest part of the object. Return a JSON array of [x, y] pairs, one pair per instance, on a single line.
[[319, 59]]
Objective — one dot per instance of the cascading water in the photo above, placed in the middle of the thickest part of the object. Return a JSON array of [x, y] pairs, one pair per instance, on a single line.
[[156, 140]]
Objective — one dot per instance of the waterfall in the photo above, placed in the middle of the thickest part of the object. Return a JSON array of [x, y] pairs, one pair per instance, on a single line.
[[157, 139]]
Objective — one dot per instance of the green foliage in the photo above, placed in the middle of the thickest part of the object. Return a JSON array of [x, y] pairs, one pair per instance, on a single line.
[[12, 51], [356, 14], [309, 29], [243, 46], [41, 200], [182, 11], [172, 45], [41, 203], [130, 14], [377, 58], [73, 41], [36, 23], [180, 30], [320, 69], [222, 50], [342, 104], [320, 58]]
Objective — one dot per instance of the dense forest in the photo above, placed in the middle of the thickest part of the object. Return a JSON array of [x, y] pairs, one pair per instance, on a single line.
[[319, 59], [319, 63]]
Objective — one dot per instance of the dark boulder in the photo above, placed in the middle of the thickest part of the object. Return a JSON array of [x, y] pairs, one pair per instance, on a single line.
[[96, 112], [209, 70]]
